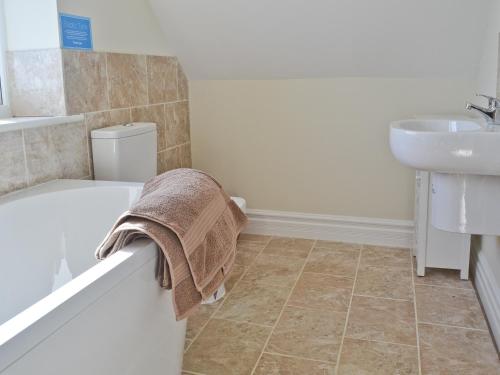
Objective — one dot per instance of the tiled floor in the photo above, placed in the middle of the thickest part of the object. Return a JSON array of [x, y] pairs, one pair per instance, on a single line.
[[314, 307]]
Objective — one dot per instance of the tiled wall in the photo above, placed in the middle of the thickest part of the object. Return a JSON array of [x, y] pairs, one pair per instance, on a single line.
[[33, 156], [109, 89], [36, 86]]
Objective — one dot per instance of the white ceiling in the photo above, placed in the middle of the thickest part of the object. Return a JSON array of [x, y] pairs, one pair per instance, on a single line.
[[268, 39]]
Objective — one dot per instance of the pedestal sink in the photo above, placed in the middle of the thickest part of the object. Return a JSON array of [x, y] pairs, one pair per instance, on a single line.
[[464, 158]]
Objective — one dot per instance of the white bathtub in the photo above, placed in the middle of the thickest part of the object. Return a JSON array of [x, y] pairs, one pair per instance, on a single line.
[[61, 312]]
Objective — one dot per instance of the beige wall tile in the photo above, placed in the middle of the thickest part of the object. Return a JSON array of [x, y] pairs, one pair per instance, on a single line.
[[374, 358], [162, 79], [168, 160], [98, 120], [185, 155], [183, 84], [308, 333], [156, 114], [41, 155], [225, 347], [120, 116], [70, 142], [127, 80], [58, 151], [12, 165], [36, 83], [382, 320], [177, 117], [277, 364], [85, 81]]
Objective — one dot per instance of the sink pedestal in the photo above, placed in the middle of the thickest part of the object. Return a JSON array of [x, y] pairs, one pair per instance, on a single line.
[[466, 203]]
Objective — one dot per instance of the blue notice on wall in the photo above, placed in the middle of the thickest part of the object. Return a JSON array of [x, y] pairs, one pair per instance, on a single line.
[[76, 32]]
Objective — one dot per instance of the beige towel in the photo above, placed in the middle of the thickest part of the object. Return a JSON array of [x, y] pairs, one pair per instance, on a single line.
[[194, 223]]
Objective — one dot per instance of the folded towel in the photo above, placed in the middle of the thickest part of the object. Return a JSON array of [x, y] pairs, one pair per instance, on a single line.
[[195, 225]]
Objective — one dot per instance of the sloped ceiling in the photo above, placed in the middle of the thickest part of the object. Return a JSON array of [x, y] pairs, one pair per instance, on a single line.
[[270, 39]]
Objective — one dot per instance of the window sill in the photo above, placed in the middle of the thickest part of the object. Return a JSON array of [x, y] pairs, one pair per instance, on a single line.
[[17, 123]]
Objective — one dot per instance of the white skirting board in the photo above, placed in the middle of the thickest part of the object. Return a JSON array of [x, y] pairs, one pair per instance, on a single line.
[[486, 287], [369, 231]]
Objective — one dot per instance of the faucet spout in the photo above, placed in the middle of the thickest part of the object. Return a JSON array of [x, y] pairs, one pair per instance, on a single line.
[[490, 113]]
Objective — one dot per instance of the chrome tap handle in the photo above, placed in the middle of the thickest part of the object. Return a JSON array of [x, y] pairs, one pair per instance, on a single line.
[[492, 101]]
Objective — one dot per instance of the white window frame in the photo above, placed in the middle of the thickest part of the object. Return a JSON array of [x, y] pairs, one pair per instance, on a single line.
[[4, 104]]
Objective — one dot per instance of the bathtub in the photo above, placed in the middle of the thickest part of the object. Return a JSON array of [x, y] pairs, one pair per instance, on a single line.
[[62, 312]]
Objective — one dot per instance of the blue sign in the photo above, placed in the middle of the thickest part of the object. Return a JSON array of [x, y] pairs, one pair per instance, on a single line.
[[76, 32]]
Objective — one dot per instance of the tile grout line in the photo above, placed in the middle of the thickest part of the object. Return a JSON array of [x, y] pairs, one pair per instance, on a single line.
[[382, 342], [25, 155], [453, 326], [348, 311], [108, 84], [146, 58], [443, 286], [329, 274], [241, 321], [297, 357], [284, 307], [89, 145], [419, 360], [226, 296], [387, 298]]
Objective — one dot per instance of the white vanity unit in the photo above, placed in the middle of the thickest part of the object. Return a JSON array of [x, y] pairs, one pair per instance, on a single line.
[[450, 155], [433, 247]]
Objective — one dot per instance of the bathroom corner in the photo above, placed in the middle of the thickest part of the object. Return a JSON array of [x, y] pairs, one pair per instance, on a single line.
[[91, 90]]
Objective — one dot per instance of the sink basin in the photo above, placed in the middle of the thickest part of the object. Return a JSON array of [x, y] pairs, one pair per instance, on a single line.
[[464, 158], [447, 146]]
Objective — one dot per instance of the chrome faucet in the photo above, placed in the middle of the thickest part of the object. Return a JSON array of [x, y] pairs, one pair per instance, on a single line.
[[490, 113]]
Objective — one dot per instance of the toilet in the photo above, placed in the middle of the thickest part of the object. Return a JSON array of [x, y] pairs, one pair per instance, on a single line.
[[125, 152], [128, 153]]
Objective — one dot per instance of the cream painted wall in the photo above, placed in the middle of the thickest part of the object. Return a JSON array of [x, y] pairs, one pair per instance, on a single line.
[[31, 24], [315, 145], [297, 39], [488, 67], [127, 26]]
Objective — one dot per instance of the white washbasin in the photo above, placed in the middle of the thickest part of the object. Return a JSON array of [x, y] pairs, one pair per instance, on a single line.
[[464, 158], [446, 146]]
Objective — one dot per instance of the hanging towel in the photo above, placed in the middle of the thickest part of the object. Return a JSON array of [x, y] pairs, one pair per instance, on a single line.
[[195, 225]]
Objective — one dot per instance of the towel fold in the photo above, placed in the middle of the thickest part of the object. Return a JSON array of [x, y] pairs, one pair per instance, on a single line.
[[195, 225]]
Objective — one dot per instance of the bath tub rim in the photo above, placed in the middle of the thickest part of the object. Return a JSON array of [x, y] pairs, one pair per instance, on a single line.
[[36, 323]]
